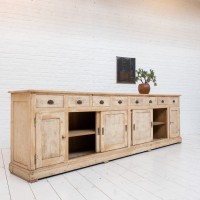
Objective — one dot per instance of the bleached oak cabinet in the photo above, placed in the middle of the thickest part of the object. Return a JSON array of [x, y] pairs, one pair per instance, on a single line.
[[57, 131]]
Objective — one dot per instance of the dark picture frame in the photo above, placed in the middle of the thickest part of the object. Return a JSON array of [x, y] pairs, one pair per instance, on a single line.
[[125, 70]]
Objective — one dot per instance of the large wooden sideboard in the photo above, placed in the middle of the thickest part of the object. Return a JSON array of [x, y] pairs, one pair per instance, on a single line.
[[57, 131]]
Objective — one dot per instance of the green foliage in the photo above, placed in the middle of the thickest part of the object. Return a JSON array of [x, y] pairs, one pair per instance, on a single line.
[[145, 76]]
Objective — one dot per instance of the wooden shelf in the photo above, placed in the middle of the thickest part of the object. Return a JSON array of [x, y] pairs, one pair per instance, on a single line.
[[81, 133], [158, 123], [80, 153]]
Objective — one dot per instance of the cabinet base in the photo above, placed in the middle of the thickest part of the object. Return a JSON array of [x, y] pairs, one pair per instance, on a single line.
[[76, 163]]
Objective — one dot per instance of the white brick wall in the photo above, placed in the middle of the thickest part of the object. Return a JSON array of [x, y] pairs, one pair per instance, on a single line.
[[73, 44]]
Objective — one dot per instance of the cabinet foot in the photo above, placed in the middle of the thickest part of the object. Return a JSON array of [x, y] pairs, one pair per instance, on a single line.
[[33, 181]]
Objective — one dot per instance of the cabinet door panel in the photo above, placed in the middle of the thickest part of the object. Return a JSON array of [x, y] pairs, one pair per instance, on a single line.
[[114, 130], [174, 122], [142, 130], [50, 135]]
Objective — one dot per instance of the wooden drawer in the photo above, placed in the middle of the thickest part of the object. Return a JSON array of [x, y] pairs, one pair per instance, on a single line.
[[78, 101], [173, 101], [119, 101], [168, 101], [163, 100], [150, 101], [137, 101], [100, 101], [49, 101]]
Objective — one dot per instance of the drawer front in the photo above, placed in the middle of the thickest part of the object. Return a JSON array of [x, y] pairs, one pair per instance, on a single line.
[[173, 101], [49, 101], [150, 101], [119, 101], [100, 101], [78, 101], [137, 101], [163, 100], [168, 101]]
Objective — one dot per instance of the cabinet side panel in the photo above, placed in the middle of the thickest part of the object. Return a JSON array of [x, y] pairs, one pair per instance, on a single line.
[[21, 131]]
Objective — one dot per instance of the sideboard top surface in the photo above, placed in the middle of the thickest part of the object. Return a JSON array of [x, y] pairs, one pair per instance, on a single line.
[[86, 93]]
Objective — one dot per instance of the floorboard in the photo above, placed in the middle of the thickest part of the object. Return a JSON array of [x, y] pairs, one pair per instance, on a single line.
[[169, 173], [4, 188], [64, 189], [44, 191], [19, 189], [85, 187]]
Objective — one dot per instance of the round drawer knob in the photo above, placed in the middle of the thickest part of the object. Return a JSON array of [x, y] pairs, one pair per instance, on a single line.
[[79, 102], [50, 102], [120, 102], [162, 101], [136, 101], [174, 101], [150, 101], [101, 102]]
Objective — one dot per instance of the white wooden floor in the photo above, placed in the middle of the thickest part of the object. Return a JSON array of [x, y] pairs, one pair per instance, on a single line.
[[168, 173]]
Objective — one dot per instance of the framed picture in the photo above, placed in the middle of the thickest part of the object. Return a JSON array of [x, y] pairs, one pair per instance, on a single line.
[[125, 70]]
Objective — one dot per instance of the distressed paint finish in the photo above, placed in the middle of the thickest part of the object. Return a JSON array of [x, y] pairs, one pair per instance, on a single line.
[[114, 130], [49, 101], [78, 101], [50, 143], [142, 126], [51, 140], [174, 122]]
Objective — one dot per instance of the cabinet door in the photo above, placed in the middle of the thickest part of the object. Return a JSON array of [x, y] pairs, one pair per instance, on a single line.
[[174, 122], [142, 129], [113, 130], [50, 138]]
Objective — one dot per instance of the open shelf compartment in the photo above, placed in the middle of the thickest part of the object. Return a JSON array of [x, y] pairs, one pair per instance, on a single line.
[[82, 135], [159, 123]]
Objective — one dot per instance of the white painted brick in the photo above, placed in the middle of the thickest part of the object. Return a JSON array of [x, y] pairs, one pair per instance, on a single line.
[[73, 44]]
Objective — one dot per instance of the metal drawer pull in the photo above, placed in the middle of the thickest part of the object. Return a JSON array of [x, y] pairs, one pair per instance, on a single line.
[[174, 101], [136, 101], [101, 102], [120, 102], [50, 102], [79, 102], [63, 136], [150, 101], [102, 131], [162, 101]]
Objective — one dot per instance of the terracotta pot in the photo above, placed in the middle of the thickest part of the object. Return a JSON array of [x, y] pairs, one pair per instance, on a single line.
[[144, 88]]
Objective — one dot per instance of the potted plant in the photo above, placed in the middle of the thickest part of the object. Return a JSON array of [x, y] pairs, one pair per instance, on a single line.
[[145, 77]]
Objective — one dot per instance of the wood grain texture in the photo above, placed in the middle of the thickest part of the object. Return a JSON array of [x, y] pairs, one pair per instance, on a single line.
[[74, 135], [114, 130], [150, 101], [88, 160], [90, 93], [79, 101], [20, 132], [119, 101], [50, 139], [142, 126], [174, 122], [100, 101], [49, 101]]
